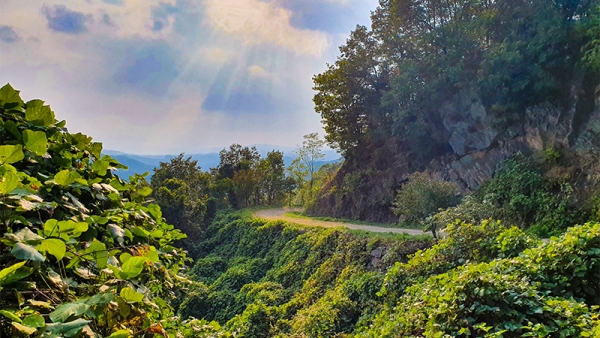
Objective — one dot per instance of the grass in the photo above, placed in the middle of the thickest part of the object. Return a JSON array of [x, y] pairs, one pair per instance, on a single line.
[[426, 237], [296, 214]]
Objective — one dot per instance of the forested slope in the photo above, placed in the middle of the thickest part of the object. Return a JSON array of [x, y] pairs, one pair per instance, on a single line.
[[266, 279], [453, 88]]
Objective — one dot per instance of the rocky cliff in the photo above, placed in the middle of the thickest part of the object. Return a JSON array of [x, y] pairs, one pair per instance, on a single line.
[[477, 141]]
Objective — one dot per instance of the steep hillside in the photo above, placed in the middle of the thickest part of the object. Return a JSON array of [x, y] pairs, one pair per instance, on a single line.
[[454, 92]]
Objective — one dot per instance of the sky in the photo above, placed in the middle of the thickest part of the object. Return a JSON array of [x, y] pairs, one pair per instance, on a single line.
[[171, 76]]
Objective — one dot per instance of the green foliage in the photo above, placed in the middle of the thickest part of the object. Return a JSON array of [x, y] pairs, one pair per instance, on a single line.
[[269, 278], [550, 289], [82, 249], [422, 196], [181, 188], [518, 194]]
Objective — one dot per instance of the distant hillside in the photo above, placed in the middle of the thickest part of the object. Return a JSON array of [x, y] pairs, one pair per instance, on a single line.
[[140, 164]]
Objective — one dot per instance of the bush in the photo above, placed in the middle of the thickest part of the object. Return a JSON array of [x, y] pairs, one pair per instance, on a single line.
[[423, 196]]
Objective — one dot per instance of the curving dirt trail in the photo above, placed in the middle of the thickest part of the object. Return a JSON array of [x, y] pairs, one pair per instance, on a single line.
[[279, 214]]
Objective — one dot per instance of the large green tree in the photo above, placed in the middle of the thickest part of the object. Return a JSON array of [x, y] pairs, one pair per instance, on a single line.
[[181, 189]]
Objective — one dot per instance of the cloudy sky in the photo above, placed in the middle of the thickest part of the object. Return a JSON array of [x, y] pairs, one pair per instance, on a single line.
[[169, 76]]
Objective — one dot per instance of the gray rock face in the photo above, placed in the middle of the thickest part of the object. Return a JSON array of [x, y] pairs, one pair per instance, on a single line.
[[479, 147], [469, 124]]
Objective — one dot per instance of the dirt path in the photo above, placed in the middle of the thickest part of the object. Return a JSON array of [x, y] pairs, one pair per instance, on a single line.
[[279, 214]]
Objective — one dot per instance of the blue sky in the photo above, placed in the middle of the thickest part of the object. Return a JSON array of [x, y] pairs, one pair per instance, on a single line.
[[169, 76]]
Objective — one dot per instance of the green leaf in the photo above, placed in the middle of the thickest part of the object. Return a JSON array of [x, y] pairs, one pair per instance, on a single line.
[[24, 329], [100, 166], [39, 114], [8, 182], [11, 154], [66, 177], [10, 316], [28, 237], [97, 251], [69, 329], [145, 191], [27, 252], [54, 246], [40, 304], [9, 95], [67, 310], [132, 267], [14, 273], [130, 295], [11, 126], [35, 141], [34, 320], [121, 334], [139, 231], [64, 229]]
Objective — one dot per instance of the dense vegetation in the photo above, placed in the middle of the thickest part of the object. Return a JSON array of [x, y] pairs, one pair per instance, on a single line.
[[390, 80], [453, 88]]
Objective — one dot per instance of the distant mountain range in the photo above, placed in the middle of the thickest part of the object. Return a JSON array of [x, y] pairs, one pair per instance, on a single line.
[[140, 164]]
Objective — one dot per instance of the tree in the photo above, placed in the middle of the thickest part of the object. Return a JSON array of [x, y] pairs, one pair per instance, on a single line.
[[273, 176], [233, 160], [307, 155], [181, 188]]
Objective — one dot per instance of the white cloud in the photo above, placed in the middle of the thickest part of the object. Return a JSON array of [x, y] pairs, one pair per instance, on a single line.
[[257, 71], [256, 22]]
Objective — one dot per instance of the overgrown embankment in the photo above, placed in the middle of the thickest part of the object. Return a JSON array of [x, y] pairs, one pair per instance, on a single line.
[[262, 278]]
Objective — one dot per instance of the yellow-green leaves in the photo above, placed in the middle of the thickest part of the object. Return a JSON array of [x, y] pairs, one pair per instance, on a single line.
[[132, 267], [9, 95], [54, 247], [66, 177], [131, 296], [64, 229], [39, 114], [14, 273], [35, 141], [9, 181], [11, 154]]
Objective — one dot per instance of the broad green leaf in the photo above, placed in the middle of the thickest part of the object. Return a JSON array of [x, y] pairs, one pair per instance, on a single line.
[[9, 95], [155, 211], [28, 237], [156, 233], [69, 329], [34, 320], [35, 141], [132, 267], [100, 166], [14, 273], [11, 154], [66, 177], [145, 191], [130, 295], [8, 182], [39, 115], [40, 304], [11, 126], [66, 310], [97, 251], [54, 246], [10, 315], [96, 149], [51, 228], [152, 254], [121, 334], [24, 329], [139, 231], [27, 252], [64, 229]]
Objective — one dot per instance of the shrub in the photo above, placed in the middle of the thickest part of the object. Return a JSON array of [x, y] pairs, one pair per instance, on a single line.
[[422, 196]]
